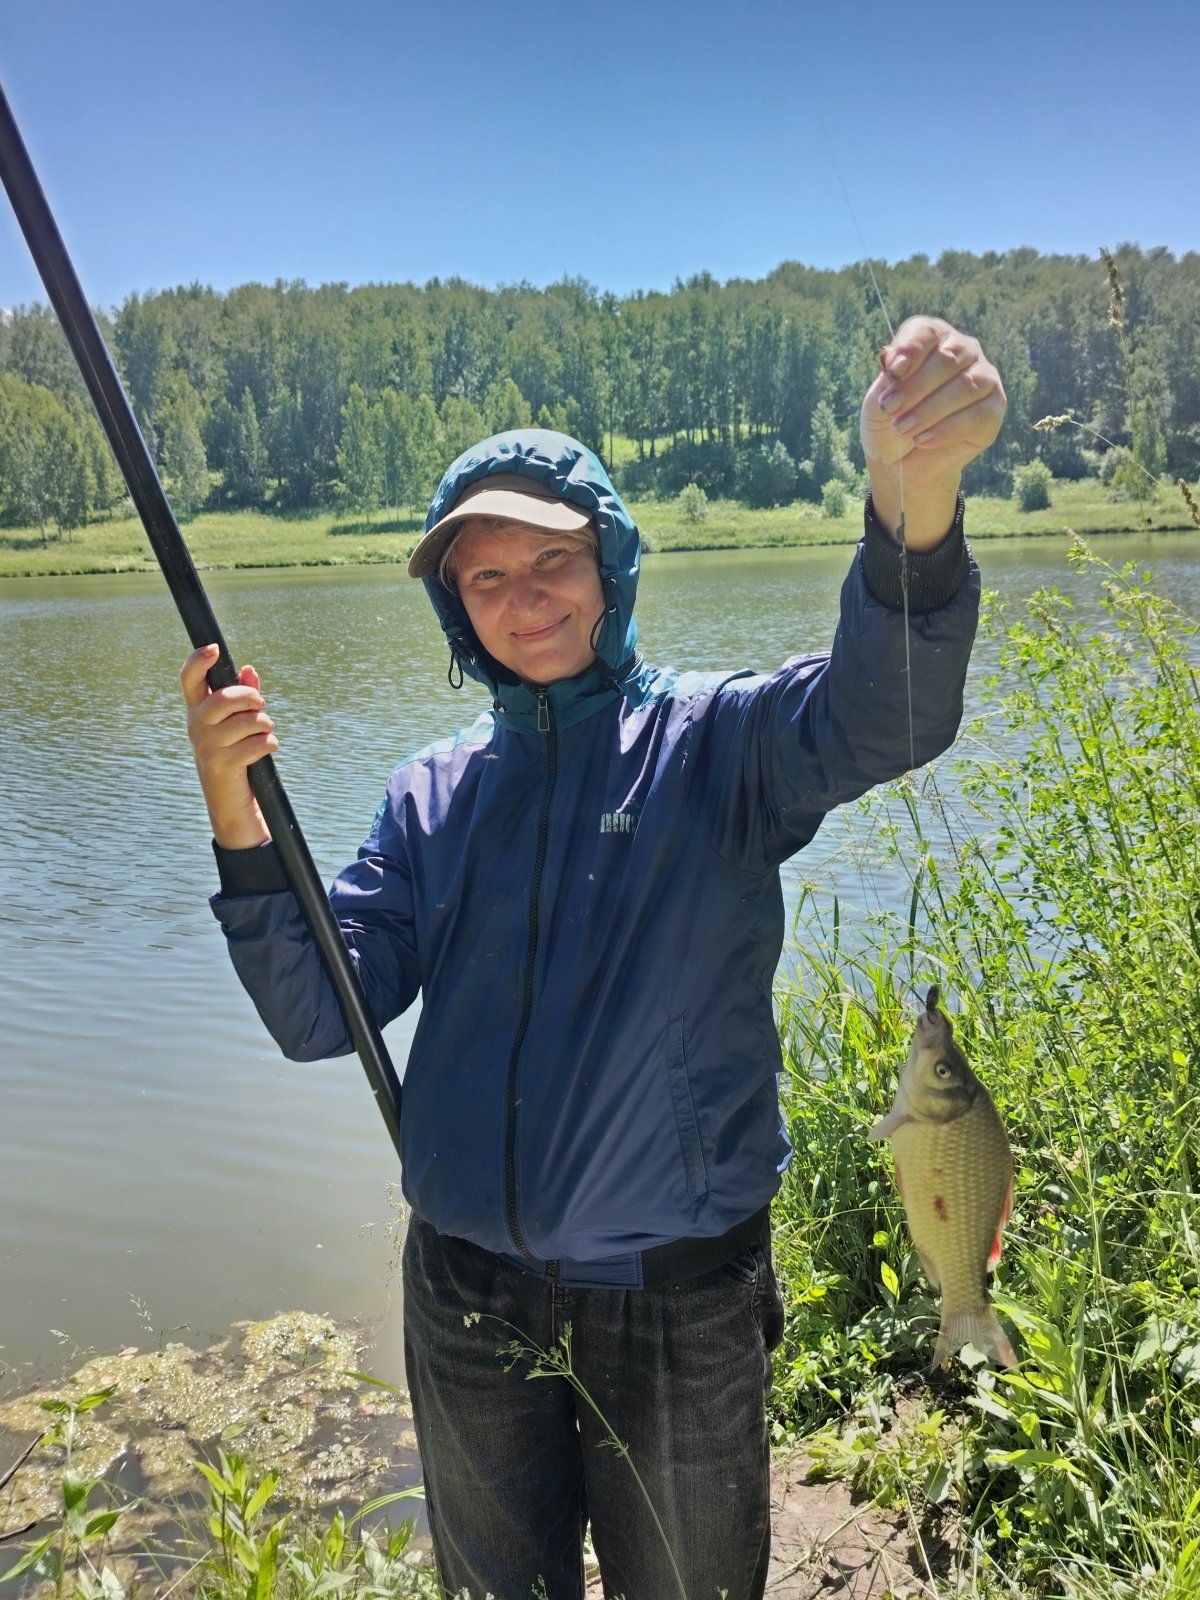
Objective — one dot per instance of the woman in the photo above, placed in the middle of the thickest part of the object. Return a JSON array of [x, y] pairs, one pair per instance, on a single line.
[[584, 888]]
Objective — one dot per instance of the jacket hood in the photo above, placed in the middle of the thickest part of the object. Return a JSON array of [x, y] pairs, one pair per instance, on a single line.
[[572, 471]]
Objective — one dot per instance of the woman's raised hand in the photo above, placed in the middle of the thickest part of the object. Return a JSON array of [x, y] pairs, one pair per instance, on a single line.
[[230, 730], [935, 405]]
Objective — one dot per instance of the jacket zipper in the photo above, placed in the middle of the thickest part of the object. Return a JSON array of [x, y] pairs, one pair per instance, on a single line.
[[545, 724]]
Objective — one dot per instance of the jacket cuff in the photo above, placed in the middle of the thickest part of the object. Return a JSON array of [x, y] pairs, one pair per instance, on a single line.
[[254, 871], [934, 576]]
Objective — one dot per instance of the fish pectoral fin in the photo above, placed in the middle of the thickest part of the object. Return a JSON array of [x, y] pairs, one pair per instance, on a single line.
[[998, 1241], [886, 1126], [979, 1326]]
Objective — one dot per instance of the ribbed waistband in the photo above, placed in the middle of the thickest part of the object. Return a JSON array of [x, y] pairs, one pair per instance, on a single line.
[[675, 1262]]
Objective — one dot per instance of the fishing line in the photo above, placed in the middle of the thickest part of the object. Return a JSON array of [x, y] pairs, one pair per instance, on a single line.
[[910, 799], [900, 539]]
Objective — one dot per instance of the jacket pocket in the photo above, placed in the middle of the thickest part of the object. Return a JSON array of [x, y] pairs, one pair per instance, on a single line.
[[694, 1169]]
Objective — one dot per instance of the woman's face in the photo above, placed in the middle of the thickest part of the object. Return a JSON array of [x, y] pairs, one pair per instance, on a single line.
[[533, 598]]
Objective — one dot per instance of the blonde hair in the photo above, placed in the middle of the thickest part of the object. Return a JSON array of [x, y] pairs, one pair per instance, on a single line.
[[448, 566]]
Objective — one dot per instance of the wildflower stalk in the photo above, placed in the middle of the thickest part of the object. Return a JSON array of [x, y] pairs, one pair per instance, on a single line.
[[1117, 322], [557, 1363]]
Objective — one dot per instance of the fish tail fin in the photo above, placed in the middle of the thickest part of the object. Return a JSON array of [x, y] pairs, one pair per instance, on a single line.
[[979, 1326]]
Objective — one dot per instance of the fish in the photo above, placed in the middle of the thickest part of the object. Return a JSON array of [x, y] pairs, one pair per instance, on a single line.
[[954, 1171]]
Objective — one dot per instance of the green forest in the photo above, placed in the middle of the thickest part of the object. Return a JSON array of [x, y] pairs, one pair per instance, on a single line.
[[292, 398]]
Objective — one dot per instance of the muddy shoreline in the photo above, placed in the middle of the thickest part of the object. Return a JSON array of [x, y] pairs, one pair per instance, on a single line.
[[284, 1394]]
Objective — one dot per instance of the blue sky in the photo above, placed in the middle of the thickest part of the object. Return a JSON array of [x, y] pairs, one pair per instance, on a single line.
[[627, 143]]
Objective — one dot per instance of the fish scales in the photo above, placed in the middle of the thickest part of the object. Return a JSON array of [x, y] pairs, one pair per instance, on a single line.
[[954, 1183], [954, 1172]]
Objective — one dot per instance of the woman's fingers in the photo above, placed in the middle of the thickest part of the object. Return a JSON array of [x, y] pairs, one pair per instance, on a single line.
[[917, 338], [231, 729], [964, 391], [965, 431], [937, 393], [941, 371], [222, 703], [210, 707], [192, 674]]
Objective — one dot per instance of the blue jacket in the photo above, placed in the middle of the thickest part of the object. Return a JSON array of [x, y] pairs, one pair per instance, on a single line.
[[584, 887]]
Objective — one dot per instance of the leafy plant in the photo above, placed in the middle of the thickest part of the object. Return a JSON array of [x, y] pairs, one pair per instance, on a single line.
[[254, 1556], [693, 503], [1064, 925], [834, 497], [1031, 486], [66, 1552]]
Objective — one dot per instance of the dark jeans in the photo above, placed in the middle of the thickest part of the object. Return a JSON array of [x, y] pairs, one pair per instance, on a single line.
[[515, 1467]]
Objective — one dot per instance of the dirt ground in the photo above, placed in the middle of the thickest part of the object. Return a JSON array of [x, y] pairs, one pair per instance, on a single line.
[[825, 1546]]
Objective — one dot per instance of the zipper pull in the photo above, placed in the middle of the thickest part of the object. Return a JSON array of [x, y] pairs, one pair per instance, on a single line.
[[543, 723]]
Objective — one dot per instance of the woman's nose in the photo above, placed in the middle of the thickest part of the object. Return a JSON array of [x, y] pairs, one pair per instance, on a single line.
[[530, 590]]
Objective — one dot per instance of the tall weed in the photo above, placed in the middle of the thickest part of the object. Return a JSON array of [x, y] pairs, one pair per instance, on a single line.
[[1066, 933]]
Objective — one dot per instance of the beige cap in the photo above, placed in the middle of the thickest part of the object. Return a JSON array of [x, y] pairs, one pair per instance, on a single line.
[[504, 494]]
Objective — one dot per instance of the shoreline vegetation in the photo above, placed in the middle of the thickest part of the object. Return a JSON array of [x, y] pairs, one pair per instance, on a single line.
[[1059, 911], [233, 540]]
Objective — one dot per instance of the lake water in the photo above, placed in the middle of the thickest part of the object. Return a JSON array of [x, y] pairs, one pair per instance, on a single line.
[[163, 1172]]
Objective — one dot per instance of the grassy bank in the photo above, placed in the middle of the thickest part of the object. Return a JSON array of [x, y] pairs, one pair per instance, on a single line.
[[254, 539], [1076, 507], [1062, 920]]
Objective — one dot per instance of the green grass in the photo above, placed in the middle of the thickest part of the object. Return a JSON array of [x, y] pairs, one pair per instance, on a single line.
[[1082, 508], [1062, 921], [216, 539], [255, 539]]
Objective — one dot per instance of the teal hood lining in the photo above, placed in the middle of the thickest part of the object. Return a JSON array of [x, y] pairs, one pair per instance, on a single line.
[[575, 474]]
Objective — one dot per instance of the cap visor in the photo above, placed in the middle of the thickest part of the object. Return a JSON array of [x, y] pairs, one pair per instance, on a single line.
[[544, 512]]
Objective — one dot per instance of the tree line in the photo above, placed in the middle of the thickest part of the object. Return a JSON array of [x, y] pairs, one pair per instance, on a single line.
[[295, 397]]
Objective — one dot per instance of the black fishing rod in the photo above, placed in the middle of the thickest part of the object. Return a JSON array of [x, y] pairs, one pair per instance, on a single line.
[[119, 424]]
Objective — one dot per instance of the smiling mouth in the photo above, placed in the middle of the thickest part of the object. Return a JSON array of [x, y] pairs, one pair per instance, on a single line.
[[532, 635]]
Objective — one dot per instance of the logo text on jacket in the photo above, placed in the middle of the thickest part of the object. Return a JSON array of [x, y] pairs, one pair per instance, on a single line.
[[618, 821]]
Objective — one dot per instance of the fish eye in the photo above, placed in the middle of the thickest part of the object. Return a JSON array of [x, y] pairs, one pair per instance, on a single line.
[[942, 1068]]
